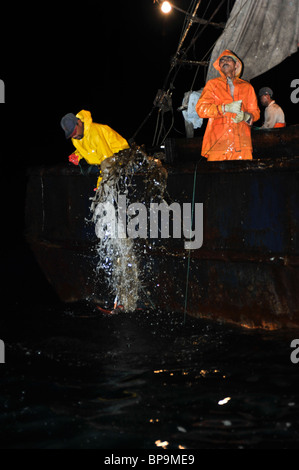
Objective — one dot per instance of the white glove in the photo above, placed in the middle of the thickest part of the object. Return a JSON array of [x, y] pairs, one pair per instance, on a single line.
[[241, 116], [234, 107]]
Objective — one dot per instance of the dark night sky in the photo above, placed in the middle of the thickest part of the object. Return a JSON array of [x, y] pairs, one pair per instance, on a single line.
[[107, 57]]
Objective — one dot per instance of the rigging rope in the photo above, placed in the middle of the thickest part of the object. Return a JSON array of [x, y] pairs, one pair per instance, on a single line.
[[176, 67]]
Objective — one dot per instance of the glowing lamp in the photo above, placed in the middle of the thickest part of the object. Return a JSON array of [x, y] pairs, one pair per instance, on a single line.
[[166, 7]]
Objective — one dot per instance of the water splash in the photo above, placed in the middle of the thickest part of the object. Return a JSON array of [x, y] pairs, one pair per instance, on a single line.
[[118, 254]]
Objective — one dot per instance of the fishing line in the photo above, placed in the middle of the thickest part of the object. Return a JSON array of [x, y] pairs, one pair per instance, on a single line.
[[156, 129], [216, 142], [192, 219], [189, 251], [171, 126]]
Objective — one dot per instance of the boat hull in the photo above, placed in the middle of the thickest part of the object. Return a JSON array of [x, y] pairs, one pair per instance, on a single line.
[[267, 144], [246, 272]]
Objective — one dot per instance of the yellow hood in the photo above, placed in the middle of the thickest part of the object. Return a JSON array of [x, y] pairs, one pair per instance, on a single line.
[[85, 116], [99, 140]]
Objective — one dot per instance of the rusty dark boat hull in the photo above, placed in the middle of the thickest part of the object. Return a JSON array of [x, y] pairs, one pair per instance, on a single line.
[[267, 144], [246, 272]]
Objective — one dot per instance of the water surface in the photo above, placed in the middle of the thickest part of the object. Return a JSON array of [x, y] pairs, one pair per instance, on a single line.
[[75, 378]]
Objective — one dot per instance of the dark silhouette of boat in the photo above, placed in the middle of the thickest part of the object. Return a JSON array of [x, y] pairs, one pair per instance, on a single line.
[[247, 270]]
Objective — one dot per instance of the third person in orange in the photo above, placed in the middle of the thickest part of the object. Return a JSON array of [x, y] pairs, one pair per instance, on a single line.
[[231, 106]]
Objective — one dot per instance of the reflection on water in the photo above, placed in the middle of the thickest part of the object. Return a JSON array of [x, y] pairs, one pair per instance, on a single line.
[[75, 378]]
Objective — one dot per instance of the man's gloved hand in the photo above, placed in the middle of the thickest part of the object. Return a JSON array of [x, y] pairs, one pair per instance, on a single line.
[[243, 116], [234, 107], [73, 158]]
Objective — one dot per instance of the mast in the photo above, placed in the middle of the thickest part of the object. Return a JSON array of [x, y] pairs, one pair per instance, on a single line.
[[163, 100], [191, 20]]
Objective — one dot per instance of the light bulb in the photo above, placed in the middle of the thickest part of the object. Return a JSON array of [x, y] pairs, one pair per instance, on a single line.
[[166, 7]]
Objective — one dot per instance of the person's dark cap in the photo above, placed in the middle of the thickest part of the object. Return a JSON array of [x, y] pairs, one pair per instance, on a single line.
[[266, 91], [68, 124]]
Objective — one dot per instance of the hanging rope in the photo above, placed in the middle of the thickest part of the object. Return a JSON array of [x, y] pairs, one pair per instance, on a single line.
[[177, 61], [189, 251], [192, 218]]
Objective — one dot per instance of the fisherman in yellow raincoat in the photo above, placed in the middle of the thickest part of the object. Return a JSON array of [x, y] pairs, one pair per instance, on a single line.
[[94, 142]]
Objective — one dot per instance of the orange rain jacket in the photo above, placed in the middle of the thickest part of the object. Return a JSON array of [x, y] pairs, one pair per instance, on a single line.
[[224, 139]]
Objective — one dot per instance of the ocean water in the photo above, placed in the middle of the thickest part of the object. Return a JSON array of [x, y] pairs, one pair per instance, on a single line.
[[75, 378]]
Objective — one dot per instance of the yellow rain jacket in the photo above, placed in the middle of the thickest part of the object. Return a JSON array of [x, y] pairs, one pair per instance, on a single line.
[[224, 139], [99, 141]]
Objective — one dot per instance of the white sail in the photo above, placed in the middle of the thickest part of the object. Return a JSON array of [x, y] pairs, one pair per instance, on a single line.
[[261, 32]]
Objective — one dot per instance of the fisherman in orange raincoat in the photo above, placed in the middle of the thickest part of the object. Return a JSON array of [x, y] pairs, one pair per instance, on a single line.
[[230, 104]]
